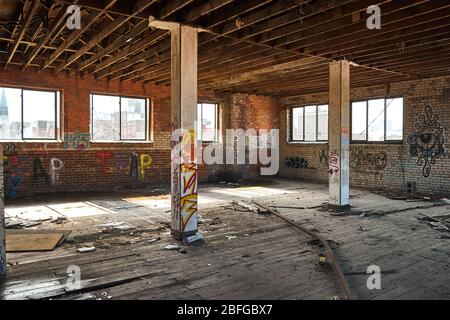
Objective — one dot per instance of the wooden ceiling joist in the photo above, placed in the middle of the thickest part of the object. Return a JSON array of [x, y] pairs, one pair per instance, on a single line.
[[277, 47]]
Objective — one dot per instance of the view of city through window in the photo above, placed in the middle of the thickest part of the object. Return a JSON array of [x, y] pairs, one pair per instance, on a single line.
[[28, 114], [118, 118]]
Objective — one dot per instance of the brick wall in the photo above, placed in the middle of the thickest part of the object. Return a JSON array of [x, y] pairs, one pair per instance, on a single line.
[[34, 168], [365, 169]]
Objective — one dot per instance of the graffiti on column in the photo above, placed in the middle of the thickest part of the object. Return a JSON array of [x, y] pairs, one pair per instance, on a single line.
[[426, 143], [188, 195], [334, 163], [175, 177]]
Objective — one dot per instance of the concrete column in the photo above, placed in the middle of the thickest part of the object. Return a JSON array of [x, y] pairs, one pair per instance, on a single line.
[[184, 135], [339, 135], [2, 220]]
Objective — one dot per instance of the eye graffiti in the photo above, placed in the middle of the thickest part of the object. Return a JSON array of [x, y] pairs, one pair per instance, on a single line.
[[427, 142]]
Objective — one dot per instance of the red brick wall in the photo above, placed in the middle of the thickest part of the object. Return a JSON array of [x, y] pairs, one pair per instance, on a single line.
[[401, 167], [103, 166]]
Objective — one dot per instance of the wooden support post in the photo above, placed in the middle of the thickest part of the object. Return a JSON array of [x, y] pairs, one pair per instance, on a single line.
[[2, 220], [339, 137], [184, 117]]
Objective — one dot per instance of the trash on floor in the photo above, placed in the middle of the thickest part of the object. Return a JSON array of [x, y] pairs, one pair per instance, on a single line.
[[172, 247], [86, 249], [154, 240], [197, 238]]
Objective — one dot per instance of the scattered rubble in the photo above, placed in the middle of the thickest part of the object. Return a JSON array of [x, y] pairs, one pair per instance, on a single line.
[[197, 238]]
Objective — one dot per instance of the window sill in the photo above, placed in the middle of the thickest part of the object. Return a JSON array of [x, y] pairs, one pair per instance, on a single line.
[[376, 142], [122, 142], [307, 142], [31, 141]]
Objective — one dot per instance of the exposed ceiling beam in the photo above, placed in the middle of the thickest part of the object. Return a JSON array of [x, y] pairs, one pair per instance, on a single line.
[[27, 20], [76, 34], [138, 7]]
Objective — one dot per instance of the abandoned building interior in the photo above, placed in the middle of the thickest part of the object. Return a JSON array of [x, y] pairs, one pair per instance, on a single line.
[[224, 150]]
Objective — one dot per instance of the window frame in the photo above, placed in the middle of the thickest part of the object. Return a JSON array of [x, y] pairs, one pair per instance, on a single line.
[[385, 141], [147, 120], [291, 118], [216, 125], [57, 107]]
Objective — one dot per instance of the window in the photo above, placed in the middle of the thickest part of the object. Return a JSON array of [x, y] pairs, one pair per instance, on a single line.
[[115, 118], [309, 123], [377, 120], [28, 114], [207, 122]]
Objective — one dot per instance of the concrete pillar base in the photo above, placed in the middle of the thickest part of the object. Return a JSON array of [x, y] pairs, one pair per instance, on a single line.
[[337, 208], [182, 235]]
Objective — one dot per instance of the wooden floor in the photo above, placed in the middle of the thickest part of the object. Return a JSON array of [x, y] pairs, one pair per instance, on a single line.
[[248, 256]]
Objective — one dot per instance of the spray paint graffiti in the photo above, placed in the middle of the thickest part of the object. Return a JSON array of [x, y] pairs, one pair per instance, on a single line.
[[145, 163], [9, 149], [426, 143], [297, 163], [122, 163], [188, 196], [137, 165], [56, 166], [102, 160], [77, 140], [367, 162], [14, 173], [360, 161], [39, 172], [334, 163]]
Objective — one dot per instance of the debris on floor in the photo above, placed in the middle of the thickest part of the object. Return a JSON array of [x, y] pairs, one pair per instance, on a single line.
[[173, 247], [154, 240], [251, 207], [34, 240], [86, 249], [195, 239]]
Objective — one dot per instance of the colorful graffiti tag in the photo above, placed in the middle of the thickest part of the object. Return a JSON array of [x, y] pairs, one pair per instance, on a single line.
[[188, 199], [77, 140]]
